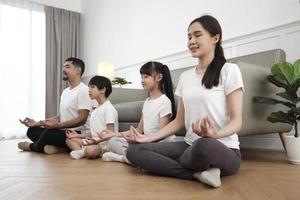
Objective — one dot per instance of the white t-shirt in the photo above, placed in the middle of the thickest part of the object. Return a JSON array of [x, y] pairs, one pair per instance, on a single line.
[[199, 101], [101, 116], [153, 110], [73, 100]]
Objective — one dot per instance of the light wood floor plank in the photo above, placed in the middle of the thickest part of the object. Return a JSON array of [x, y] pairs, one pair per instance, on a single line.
[[27, 175]]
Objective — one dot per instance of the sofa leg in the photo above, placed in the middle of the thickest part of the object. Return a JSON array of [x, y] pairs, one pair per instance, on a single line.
[[282, 135]]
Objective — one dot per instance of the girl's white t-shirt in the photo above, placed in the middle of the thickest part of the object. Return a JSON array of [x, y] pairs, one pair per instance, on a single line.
[[73, 100], [104, 114], [153, 110], [199, 101]]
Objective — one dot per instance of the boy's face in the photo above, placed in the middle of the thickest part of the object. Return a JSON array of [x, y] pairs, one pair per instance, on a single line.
[[95, 93]]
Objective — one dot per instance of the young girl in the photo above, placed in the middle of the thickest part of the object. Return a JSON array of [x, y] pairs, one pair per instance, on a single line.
[[210, 108], [104, 116], [157, 110]]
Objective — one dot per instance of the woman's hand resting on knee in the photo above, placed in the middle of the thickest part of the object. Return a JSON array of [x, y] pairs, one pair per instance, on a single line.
[[205, 128]]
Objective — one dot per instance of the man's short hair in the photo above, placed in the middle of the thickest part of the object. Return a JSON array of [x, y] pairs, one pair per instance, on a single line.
[[77, 63]]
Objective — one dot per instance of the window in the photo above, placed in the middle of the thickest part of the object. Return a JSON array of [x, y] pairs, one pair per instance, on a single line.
[[22, 68]]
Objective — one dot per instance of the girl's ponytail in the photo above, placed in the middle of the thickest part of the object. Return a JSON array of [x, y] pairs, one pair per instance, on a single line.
[[167, 87]]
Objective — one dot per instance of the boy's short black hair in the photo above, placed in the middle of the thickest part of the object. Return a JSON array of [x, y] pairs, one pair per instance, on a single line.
[[102, 82]]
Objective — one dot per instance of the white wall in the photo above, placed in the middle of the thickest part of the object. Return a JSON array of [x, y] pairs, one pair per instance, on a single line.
[[126, 32], [73, 5], [285, 37]]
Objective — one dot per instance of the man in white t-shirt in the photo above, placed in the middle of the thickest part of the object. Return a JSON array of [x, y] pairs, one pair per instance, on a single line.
[[75, 105]]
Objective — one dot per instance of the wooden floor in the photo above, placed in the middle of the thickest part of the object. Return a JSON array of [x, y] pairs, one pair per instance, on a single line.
[[27, 175]]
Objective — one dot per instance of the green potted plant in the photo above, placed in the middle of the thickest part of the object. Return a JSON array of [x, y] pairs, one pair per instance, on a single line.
[[287, 76], [120, 81]]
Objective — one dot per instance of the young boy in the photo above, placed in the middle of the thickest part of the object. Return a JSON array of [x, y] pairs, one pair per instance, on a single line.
[[105, 116]]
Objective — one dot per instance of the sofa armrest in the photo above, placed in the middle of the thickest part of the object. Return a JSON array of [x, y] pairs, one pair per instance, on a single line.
[[255, 115]]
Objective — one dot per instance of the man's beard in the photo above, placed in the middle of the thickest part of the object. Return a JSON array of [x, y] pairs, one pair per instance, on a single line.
[[65, 78]]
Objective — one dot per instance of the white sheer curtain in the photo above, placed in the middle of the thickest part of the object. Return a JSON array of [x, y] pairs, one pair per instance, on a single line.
[[22, 65]]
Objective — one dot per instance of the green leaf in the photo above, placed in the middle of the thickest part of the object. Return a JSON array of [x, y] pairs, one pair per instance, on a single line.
[[297, 69], [296, 84], [120, 80], [282, 117], [271, 101], [296, 100], [292, 90], [285, 95], [296, 110], [278, 81], [285, 70]]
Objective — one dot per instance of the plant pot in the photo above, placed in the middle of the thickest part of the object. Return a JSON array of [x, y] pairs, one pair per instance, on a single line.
[[292, 147]]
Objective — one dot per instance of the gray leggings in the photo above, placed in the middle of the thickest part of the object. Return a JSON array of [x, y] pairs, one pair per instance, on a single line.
[[178, 159]]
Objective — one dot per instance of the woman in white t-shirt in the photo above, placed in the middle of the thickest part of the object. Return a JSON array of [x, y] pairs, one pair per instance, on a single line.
[[105, 116], [210, 108], [157, 110]]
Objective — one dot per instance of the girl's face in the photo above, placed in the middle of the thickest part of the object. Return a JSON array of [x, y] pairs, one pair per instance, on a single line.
[[149, 82], [94, 92], [200, 42]]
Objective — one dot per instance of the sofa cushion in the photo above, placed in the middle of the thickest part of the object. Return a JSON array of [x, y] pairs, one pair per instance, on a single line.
[[120, 95], [129, 111]]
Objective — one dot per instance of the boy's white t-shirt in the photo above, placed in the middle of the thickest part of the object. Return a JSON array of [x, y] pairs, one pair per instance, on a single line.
[[153, 110], [199, 101], [104, 114], [73, 100]]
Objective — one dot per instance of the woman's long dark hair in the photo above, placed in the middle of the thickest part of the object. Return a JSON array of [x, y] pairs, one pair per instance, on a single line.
[[211, 76], [165, 85]]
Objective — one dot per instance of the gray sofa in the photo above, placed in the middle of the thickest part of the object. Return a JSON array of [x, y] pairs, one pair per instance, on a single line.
[[254, 69]]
